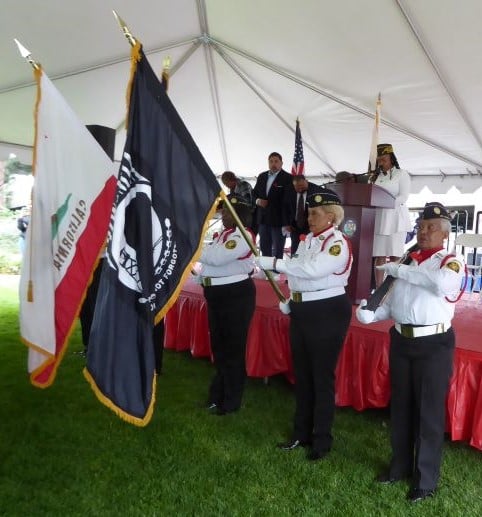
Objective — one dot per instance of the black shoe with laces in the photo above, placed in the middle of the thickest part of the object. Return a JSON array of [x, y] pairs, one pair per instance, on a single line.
[[419, 494]]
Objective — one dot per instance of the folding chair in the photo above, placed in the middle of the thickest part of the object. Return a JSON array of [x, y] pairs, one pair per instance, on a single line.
[[472, 240]]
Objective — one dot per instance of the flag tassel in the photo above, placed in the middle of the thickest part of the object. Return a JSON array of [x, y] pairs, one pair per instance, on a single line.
[[30, 291]]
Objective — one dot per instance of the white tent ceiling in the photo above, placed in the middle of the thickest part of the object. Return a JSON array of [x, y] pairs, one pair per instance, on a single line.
[[243, 71]]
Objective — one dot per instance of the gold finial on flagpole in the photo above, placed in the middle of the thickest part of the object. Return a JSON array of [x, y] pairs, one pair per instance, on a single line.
[[25, 53], [166, 66], [125, 29]]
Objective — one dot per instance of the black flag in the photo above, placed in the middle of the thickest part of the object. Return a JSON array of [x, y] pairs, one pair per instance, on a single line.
[[165, 197]]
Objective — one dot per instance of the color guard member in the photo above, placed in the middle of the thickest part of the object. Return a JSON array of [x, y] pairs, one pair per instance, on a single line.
[[226, 267], [421, 302], [320, 313]]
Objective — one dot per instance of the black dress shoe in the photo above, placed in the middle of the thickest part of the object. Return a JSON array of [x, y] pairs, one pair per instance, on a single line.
[[315, 455], [219, 411], [385, 478], [211, 406], [292, 444], [419, 494]]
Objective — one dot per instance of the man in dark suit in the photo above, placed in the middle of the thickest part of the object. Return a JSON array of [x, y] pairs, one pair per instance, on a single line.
[[296, 209], [269, 194]]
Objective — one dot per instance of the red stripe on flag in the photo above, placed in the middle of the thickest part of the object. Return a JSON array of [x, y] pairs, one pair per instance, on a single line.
[[71, 290]]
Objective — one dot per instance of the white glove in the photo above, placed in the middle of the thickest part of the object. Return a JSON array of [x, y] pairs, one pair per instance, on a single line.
[[364, 315], [264, 262], [197, 279], [284, 307], [391, 268]]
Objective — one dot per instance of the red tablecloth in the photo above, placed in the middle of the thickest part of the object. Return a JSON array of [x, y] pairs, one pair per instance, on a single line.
[[362, 376]]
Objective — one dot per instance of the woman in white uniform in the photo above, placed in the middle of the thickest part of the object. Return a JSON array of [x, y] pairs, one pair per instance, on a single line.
[[391, 224], [320, 313], [226, 268]]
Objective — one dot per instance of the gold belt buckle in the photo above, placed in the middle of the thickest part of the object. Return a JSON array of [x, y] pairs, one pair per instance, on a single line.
[[406, 331], [296, 297], [207, 281]]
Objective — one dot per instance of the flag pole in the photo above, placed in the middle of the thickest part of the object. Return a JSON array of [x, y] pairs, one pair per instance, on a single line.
[[251, 245], [372, 161], [165, 75], [125, 30], [27, 55]]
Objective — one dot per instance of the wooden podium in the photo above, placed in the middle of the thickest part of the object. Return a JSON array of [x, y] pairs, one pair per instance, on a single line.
[[359, 202]]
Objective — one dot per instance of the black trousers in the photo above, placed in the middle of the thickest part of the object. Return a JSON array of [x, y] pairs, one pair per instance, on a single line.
[[271, 241], [295, 241], [420, 371], [317, 333], [88, 307], [230, 309]]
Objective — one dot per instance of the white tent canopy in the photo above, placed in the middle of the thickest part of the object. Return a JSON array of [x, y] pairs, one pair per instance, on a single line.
[[242, 72]]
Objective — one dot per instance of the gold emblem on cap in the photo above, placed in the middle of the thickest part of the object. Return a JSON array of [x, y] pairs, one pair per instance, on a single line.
[[231, 244], [234, 201], [436, 209], [318, 198]]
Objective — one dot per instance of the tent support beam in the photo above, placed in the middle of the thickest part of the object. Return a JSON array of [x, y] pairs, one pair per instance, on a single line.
[[213, 84], [216, 104], [324, 93], [418, 36], [248, 81], [103, 65], [189, 52]]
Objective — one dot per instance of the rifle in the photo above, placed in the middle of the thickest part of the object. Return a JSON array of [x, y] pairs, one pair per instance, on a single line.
[[376, 298]]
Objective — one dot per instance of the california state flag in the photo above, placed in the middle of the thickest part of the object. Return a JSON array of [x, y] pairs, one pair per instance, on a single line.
[[73, 192]]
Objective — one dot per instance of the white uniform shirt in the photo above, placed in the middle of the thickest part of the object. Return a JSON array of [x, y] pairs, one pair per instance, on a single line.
[[421, 293], [321, 262], [228, 254], [394, 220]]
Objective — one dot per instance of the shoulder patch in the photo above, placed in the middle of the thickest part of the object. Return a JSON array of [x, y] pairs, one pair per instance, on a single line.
[[231, 244], [453, 265], [335, 250]]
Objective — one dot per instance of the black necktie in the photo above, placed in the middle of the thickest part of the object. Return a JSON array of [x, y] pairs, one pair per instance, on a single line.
[[300, 212]]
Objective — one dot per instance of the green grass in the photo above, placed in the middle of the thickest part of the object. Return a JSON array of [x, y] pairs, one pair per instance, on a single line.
[[63, 453], [10, 257]]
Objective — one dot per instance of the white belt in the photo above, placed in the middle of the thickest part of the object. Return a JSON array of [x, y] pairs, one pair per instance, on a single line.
[[309, 296], [208, 281], [411, 331]]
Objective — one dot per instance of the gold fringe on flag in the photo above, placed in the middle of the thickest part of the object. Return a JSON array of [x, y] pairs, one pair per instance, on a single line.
[[187, 271], [135, 58], [140, 422]]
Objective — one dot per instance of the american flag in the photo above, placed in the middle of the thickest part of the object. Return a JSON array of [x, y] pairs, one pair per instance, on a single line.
[[298, 167]]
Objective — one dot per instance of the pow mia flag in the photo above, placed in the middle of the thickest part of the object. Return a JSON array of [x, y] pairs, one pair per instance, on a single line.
[[165, 197]]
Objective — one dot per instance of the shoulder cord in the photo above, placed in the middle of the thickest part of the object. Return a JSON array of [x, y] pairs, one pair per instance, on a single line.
[[350, 252]]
